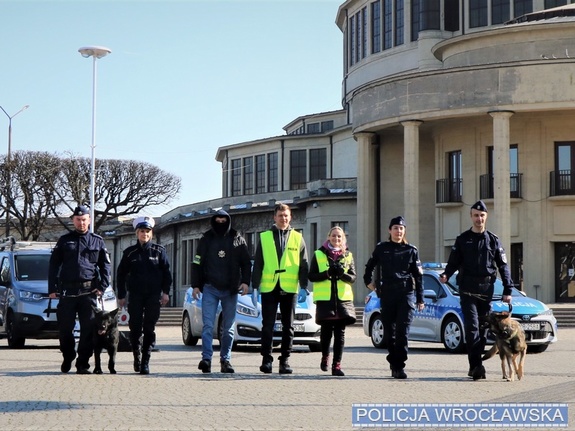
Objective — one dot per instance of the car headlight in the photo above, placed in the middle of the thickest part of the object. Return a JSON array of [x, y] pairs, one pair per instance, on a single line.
[[548, 312], [246, 311], [30, 296]]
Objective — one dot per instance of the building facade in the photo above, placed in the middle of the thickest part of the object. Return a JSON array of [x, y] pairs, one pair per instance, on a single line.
[[452, 101]]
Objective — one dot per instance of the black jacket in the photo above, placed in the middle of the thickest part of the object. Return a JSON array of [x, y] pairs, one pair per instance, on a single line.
[[144, 270], [222, 259], [399, 267]]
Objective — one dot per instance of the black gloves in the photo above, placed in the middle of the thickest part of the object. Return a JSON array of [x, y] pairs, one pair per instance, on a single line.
[[332, 272], [335, 271]]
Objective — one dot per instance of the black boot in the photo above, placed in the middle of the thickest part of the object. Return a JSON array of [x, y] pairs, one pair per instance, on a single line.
[[137, 360], [145, 364]]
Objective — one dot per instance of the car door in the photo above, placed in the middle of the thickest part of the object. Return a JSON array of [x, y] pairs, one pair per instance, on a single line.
[[4, 283], [426, 322]]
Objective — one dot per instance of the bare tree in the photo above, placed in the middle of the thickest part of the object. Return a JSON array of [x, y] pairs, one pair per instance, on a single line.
[[122, 187], [28, 184], [39, 185]]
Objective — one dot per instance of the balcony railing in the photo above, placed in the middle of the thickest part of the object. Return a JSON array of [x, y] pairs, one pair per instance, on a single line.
[[562, 182], [448, 190], [486, 186]]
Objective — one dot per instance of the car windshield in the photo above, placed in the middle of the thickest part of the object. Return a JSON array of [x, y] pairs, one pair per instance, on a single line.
[[32, 267], [497, 291]]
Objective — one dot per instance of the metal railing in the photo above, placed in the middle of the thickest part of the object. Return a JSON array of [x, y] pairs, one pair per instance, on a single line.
[[448, 190], [562, 182], [486, 186]]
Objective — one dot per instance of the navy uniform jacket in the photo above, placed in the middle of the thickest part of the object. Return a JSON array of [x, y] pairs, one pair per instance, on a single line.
[[477, 256], [144, 270], [79, 257], [400, 266]]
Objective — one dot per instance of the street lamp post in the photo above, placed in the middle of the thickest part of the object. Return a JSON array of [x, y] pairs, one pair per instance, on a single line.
[[8, 162], [95, 52]]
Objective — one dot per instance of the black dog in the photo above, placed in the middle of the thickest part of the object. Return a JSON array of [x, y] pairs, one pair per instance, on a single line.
[[106, 336]]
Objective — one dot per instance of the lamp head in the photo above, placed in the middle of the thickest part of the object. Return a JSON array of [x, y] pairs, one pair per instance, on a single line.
[[94, 51]]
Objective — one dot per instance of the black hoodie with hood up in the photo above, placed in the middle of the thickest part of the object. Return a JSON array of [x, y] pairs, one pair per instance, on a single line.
[[222, 258]]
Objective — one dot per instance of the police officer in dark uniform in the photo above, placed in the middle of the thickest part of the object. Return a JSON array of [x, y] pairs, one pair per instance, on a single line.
[[79, 272], [144, 273], [476, 254], [400, 290]]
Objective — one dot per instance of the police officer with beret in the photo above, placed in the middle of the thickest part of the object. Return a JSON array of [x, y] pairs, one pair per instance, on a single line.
[[400, 290], [144, 272], [477, 254], [79, 272]]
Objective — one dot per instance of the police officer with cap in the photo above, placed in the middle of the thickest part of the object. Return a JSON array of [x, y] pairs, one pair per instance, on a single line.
[[79, 272], [144, 272], [400, 289], [477, 254]]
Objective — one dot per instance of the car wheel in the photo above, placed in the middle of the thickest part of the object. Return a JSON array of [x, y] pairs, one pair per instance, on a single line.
[[376, 332], [452, 335], [14, 341], [537, 348], [315, 347], [187, 337]]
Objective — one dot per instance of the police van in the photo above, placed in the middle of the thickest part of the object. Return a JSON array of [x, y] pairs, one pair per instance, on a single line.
[[26, 311]]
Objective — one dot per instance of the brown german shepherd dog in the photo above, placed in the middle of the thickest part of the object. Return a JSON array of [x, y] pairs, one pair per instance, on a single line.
[[509, 342]]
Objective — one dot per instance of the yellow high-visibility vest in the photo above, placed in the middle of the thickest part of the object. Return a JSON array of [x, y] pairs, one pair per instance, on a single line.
[[286, 270], [322, 289]]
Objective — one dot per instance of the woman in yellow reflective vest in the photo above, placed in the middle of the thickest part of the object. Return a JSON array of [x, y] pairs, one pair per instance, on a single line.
[[332, 272]]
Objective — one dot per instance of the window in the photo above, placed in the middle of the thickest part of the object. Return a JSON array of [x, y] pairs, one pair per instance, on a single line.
[[562, 179], [430, 15], [375, 27], [260, 173], [364, 32], [554, 3], [414, 20], [399, 22], [313, 128], [521, 7], [500, 11], [451, 12], [326, 126], [272, 172], [486, 182], [344, 225], [298, 169], [187, 259], [455, 174], [317, 164], [477, 13], [248, 175], [387, 24], [236, 177], [351, 40]]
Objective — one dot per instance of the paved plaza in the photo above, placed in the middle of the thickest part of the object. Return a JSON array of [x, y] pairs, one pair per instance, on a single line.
[[177, 396]]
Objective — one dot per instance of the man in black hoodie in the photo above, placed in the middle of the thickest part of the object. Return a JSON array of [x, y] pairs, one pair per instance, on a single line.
[[221, 269]]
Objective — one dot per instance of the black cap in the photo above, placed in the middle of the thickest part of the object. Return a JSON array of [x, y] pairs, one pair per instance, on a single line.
[[397, 220], [81, 210], [479, 206]]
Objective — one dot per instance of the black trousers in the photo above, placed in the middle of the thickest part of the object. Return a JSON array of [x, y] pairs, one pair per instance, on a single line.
[[68, 308], [397, 309], [475, 309], [337, 328], [144, 313], [270, 302]]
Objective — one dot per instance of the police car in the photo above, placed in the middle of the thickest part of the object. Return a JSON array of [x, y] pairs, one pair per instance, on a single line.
[[248, 326], [441, 320], [25, 308]]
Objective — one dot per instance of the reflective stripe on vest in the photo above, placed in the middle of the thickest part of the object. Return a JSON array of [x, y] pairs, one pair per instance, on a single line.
[[322, 289], [287, 270]]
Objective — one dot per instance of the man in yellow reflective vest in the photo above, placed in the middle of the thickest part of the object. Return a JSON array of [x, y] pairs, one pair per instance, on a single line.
[[280, 268]]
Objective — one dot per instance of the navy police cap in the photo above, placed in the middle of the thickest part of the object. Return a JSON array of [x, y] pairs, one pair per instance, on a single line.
[[81, 210], [399, 220], [479, 206]]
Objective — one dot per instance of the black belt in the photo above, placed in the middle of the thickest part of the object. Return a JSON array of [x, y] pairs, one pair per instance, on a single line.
[[76, 284]]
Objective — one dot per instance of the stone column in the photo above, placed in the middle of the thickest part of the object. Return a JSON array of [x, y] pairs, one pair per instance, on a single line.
[[411, 178], [499, 220], [366, 209]]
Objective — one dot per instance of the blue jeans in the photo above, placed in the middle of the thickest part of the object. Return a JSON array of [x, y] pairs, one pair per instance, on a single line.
[[211, 297]]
